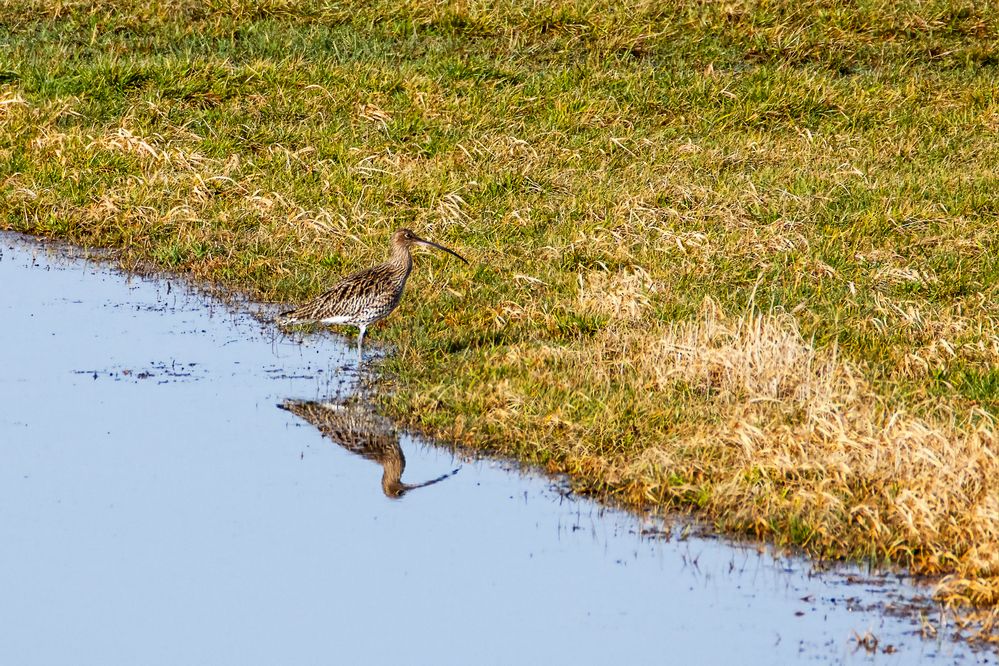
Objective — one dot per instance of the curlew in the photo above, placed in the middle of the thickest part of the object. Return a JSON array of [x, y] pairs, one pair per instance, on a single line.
[[364, 433], [367, 296]]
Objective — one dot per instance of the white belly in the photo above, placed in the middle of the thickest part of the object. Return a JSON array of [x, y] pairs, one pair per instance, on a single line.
[[337, 320]]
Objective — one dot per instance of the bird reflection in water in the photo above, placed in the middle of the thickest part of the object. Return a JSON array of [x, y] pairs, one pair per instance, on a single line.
[[363, 432]]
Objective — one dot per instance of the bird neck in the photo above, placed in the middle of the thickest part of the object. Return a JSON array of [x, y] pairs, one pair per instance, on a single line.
[[392, 468], [401, 257]]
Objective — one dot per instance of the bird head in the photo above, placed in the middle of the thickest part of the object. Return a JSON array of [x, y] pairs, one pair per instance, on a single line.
[[407, 239]]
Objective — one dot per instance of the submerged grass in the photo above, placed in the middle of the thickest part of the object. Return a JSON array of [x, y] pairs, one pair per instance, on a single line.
[[739, 256]]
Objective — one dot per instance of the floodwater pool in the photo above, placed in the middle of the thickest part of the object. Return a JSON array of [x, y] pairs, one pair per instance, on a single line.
[[158, 506]]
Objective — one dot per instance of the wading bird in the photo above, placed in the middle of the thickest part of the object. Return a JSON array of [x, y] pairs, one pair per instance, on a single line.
[[360, 431], [370, 295]]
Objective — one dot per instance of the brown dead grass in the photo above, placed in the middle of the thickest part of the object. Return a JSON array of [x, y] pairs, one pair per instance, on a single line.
[[808, 430]]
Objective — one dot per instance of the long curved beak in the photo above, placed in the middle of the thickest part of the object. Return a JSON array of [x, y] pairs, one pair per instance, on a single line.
[[414, 486], [440, 247]]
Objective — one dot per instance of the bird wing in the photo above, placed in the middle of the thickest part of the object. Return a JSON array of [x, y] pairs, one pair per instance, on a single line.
[[350, 296], [352, 427]]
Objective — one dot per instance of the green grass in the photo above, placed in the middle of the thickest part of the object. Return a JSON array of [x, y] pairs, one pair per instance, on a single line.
[[607, 167]]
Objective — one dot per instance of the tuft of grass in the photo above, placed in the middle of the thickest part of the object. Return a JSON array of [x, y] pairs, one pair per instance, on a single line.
[[735, 257]]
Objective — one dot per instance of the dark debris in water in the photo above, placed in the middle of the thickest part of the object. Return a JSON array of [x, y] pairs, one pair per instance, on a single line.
[[664, 533], [166, 372], [278, 372]]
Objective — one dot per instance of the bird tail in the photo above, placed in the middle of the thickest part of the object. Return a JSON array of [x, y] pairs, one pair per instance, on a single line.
[[290, 318]]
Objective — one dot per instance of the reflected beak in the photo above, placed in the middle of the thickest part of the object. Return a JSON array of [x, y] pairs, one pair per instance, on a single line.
[[440, 247], [413, 486]]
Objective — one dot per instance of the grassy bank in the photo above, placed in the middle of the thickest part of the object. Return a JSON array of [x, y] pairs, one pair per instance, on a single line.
[[735, 256]]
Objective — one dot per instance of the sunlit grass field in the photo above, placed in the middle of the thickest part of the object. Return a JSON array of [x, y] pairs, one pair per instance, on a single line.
[[732, 256]]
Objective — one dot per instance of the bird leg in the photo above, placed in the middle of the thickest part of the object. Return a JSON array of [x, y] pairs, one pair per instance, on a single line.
[[360, 341]]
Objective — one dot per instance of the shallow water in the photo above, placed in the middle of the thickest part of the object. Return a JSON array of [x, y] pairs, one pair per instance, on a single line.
[[157, 507]]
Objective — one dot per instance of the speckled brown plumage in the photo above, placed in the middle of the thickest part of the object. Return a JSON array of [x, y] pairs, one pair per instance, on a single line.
[[367, 296], [364, 433], [362, 297]]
